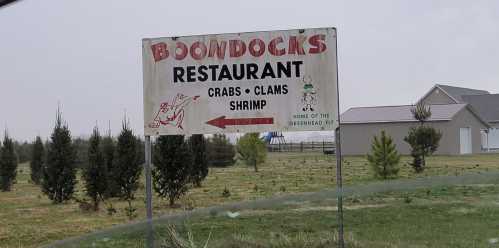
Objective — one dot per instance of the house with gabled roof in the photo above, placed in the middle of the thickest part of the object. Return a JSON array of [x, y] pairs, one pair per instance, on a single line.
[[467, 118], [486, 105], [445, 94]]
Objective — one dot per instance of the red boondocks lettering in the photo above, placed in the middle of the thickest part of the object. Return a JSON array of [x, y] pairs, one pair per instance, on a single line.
[[180, 46], [273, 47], [296, 45], [198, 50], [218, 49], [261, 47], [317, 41], [236, 48], [159, 51]]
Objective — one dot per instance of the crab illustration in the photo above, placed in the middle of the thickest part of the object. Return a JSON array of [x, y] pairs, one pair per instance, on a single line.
[[172, 113]]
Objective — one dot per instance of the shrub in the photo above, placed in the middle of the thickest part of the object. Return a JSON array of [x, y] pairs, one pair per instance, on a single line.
[[226, 192], [130, 212], [384, 158], [252, 150], [110, 209], [283, 189], [407, 199]]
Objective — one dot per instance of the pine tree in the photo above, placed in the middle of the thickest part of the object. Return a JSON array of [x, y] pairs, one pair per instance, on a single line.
[[220, 151], [424, 140], [95, 173], [172, 161], [199, 168], [141, 157], [59, 172], [126, 170], [37, 160], [108, 150], [384, 158], [421, 112], [8, 164]]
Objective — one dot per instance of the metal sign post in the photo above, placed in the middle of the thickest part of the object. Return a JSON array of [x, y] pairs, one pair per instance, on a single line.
[[147, 168], [339, 179], [339, 189]]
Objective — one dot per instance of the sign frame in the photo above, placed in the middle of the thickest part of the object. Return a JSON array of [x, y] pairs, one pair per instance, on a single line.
[[222, 121], [295, 82]]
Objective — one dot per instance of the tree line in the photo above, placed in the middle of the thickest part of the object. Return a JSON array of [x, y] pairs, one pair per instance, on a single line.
[[112, 166]]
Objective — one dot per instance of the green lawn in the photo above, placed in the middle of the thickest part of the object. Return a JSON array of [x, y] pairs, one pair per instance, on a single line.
[[459, 216], [442, 217]]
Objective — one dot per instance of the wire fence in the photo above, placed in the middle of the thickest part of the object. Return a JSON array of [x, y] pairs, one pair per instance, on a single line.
[[234, 216], [327, 147]]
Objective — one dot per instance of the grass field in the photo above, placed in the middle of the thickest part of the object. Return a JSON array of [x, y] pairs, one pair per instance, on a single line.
[[460, 216]]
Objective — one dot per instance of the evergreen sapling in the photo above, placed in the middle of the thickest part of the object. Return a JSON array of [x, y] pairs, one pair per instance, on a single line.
[[59, 171], [8, 164], [126, 169], [95, 173], [37, 160], [172, 165], [384, 158]]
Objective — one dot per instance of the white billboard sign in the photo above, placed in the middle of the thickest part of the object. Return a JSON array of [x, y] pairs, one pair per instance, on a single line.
[[241, 82]]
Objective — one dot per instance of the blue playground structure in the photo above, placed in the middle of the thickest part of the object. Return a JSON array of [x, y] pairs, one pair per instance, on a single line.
[[274, 138]]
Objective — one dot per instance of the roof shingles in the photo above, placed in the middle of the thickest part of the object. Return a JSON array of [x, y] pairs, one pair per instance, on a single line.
[[458, 92], [440, 112], [487, 106]]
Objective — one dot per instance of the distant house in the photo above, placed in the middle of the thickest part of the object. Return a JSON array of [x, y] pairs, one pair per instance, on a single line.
[[445, 94], [467, 118], [486, 105]]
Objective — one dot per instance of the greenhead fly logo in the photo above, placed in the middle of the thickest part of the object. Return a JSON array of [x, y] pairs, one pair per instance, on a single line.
[[309, 97]]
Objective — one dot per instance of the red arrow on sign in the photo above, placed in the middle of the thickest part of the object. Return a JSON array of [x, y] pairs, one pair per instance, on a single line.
[[221, 121]]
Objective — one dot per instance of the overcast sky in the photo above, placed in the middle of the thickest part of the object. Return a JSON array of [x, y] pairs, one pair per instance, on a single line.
[[87, 54]]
